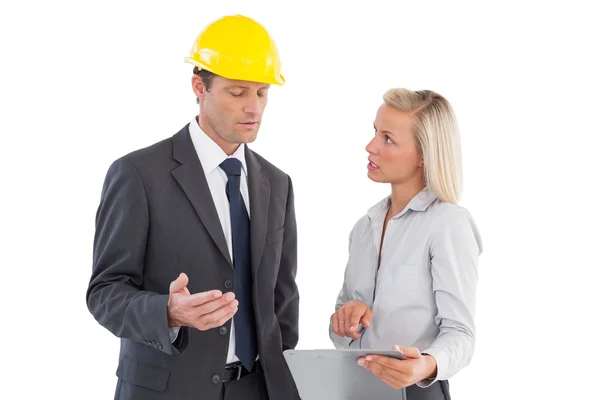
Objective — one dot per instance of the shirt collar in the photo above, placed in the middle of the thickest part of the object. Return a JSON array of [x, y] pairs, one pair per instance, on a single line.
[[420, 202], [209, 152]]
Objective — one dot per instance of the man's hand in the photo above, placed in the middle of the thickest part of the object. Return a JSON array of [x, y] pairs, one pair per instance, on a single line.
[[202, 311], [401, 373], [345, 320]]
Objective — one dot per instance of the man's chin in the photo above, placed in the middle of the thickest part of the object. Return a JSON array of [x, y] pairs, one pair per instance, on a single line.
[[247, 137]]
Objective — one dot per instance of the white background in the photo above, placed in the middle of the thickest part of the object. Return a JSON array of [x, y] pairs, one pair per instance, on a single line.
[[82, 83]]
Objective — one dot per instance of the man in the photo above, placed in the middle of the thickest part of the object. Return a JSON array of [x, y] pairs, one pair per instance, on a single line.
[[195, 245]]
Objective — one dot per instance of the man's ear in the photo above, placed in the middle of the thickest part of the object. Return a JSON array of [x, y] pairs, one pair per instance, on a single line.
[[198, 87]]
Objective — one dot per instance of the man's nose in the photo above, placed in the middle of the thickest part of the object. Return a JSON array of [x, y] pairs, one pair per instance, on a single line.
[[252, 105]]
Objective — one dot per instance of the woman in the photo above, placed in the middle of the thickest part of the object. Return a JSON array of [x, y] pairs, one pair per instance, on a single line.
[[411, 276]]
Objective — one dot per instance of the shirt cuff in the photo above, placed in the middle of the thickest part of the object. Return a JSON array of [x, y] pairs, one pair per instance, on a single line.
[[441, 360], [173, 333]]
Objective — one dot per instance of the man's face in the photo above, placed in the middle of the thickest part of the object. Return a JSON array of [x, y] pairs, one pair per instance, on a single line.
[[230, 109]]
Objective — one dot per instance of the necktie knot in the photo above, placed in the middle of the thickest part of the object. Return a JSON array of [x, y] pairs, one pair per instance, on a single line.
[[232, 167]]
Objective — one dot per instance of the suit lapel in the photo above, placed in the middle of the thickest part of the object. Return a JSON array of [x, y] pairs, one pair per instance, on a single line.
[[190, 177], [259, 192]]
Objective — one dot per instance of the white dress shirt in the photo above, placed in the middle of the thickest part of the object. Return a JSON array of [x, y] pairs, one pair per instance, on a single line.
[[423, 294], [211, 156]]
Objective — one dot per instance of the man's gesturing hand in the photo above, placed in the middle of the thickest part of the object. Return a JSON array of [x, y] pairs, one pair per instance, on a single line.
[[203, 311]]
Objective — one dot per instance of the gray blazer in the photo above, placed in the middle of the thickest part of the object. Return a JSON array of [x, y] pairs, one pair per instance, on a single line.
[[156, 219]]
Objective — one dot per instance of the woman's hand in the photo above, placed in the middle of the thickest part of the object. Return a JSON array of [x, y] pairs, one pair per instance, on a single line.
[[401, 373], [345, 320]]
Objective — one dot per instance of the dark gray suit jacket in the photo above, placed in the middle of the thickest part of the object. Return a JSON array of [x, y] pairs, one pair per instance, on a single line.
[[156, 218]]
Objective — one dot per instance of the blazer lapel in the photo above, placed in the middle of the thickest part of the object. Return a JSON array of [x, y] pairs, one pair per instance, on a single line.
[[190, 177], [259, 192]]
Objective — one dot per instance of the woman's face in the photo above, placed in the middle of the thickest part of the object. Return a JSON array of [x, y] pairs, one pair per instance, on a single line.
[[394, 156]]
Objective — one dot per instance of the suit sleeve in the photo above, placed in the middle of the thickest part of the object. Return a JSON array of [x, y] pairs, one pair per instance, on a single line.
[[114, 296], [286, 290]]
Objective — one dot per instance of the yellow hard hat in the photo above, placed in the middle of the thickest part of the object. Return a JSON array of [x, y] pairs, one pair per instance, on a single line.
[[237, 47]]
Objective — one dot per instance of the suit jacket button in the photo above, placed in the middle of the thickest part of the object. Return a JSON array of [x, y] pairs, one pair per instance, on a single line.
[[228, 284], [223, 331], [216, 379]]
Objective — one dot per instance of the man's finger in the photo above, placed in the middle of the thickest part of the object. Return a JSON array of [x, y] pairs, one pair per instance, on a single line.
[[197, 299], [226, 318], [203, 327], [212, 305], [179, 284], [210, 320], [220, 300]]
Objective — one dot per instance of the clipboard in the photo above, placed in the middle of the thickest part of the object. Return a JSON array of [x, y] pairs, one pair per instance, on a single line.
[[333, 374]]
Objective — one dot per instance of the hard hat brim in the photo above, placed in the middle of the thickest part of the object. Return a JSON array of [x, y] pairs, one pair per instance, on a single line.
[[279, 80]]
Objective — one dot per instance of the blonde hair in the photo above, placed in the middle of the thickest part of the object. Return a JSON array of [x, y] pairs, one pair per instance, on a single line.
[[436, 131]]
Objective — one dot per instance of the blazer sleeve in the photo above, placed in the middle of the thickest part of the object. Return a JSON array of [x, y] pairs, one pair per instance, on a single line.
[[286, 290], [114, 295]]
